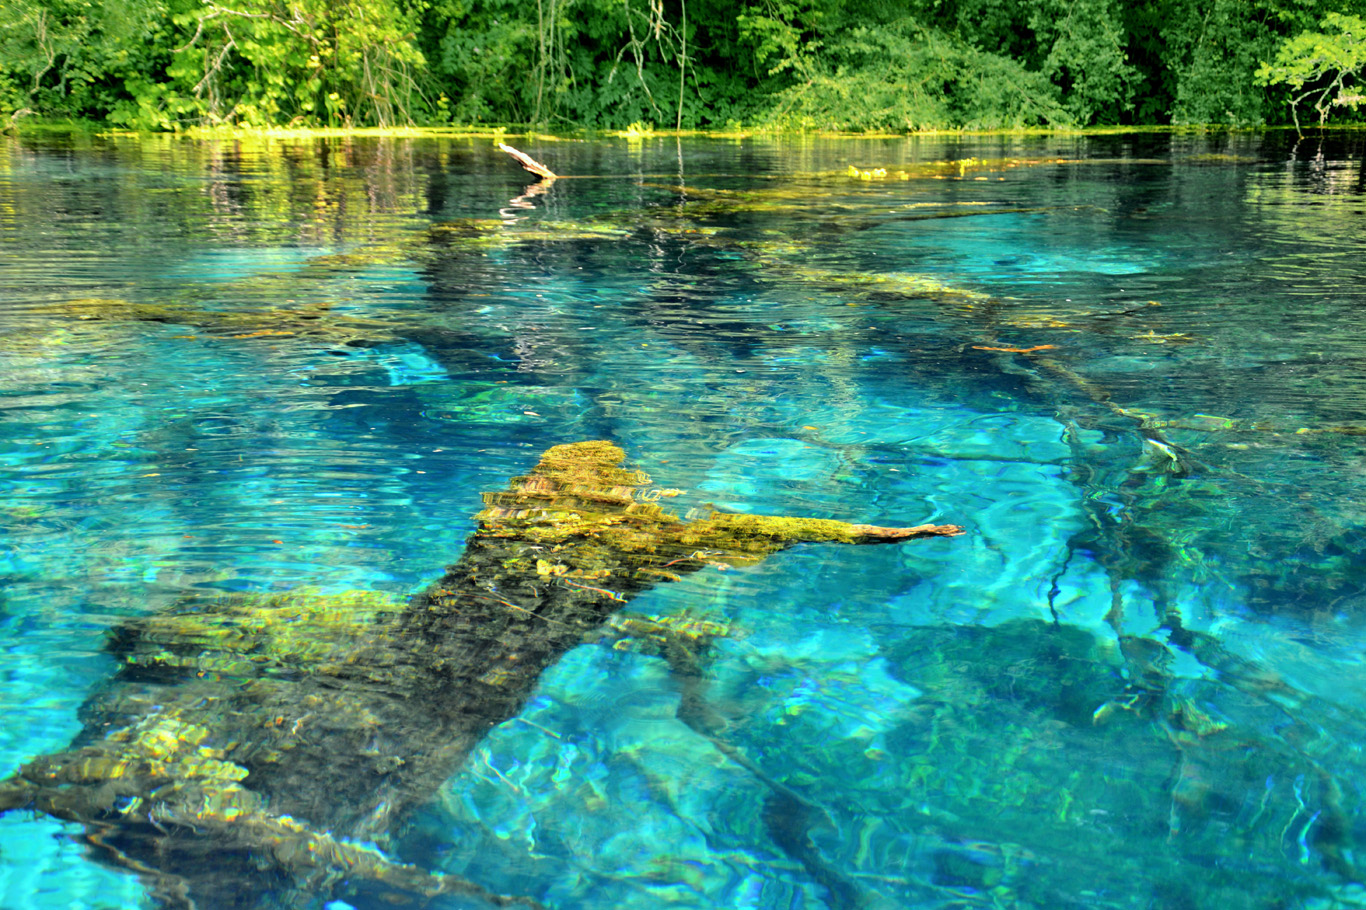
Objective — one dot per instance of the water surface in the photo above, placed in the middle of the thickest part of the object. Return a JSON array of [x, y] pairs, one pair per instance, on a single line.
[[1130, 366]]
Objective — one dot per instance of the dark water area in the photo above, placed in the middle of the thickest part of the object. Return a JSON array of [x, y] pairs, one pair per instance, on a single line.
[[1130, 366]]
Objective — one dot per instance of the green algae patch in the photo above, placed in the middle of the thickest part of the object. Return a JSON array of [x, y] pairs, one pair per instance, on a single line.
[[586, 465], [889, 283], [161, 746], [1220, 158], [484, 234], [249, 635], [788, 260], [961, 167], [782, 258], [312, 318], [115, 309], [580, 493], [764, 534], [579, 497], [367, 257]]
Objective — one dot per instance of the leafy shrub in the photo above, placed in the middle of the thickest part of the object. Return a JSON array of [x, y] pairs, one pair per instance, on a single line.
[[903, 76], [1325, 69]]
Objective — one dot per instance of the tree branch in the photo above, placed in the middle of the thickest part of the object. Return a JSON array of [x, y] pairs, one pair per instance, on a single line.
[[531, 164]]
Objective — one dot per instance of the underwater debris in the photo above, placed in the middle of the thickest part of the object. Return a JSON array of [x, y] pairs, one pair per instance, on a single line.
[[956, 168], [780, 258], [1152, 337], [788, 817], [1243, 764], [202, 761], [314, 319], [1007, 350], [663, 632]]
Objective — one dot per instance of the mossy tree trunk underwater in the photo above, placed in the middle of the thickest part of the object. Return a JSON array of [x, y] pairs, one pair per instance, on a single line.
[[264, 743]]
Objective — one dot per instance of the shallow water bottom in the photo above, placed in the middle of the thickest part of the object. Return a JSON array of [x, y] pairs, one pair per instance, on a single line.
[[1135, 682]]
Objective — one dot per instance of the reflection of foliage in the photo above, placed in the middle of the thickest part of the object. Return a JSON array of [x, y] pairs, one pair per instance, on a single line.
[[1328, 66]]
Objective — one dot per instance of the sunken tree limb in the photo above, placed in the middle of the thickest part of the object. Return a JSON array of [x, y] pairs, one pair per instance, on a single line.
[[289, 732]]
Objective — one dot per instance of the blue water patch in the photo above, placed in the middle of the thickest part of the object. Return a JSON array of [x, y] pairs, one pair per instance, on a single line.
[[1099, 262], [235, 264], [406, 364], [748, 475], [45, 866], [546, 795], [1028, 248], [1134, 681], [45, 674], [502, 403]]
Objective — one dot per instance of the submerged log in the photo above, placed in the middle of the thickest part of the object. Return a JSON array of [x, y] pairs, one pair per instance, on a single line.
[[278, 738]]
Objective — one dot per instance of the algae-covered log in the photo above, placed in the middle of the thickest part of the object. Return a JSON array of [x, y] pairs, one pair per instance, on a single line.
[[287, 732]]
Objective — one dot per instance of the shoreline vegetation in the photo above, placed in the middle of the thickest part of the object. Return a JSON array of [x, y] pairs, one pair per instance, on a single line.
[[524, 133], [646, 66]]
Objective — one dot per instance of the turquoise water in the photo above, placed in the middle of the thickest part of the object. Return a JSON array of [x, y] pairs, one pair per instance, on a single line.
[[1137, 681]]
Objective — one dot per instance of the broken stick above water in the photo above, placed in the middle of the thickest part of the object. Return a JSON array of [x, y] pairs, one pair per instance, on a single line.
[[531, 164]]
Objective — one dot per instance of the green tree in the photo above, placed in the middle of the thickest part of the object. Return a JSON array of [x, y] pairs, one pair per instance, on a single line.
[[847, 67], [851, 64], [1212, 50], [1324, 68], [589, 63], [1086, 57], [72, 58], [477, 53], [265, 62]]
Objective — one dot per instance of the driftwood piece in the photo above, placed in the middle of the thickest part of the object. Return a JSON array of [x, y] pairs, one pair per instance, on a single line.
[[531, 164], [288, 732]]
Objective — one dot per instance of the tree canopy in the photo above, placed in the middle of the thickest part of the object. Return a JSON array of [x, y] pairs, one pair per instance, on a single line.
[[1324, 68], [898, 65]]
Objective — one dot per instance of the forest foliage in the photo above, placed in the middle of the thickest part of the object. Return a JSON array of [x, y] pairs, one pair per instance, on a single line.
[[900, 65]]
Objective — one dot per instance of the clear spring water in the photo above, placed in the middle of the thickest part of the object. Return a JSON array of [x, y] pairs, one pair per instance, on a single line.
[[1136, 682]]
